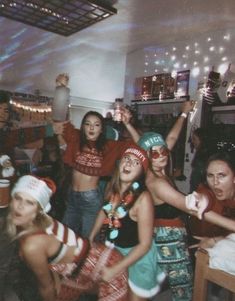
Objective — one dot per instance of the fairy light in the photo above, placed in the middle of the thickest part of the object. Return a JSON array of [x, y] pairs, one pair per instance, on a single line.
[[221, 49], [198, 56], [35, 108]]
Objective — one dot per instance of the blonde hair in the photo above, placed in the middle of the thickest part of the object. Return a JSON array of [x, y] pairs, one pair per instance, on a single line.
[[41, 222]]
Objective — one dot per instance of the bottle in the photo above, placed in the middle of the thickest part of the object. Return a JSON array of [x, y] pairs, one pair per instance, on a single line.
[[60, 103], [117, 116]]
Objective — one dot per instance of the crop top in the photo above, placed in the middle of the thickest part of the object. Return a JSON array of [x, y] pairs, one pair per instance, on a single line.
[[90, 161]]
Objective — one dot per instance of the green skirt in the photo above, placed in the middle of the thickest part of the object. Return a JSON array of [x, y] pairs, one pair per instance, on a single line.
[[145, 275]]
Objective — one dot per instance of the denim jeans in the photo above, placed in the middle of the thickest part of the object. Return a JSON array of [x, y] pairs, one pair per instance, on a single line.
[[82, 210]]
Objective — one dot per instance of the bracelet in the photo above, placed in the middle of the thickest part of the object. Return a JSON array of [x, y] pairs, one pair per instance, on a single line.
[[184, 115]]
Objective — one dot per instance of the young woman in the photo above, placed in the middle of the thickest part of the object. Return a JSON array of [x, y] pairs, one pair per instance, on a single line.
[[128, 212], [220, 190], [91, 156], [50, 248], [170, 230]]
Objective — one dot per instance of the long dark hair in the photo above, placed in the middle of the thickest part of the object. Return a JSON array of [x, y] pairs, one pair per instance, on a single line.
[[227, 157], [100, 142]]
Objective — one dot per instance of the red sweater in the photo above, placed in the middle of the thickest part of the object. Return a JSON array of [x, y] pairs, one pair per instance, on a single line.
[[90, 161], [225, 208]]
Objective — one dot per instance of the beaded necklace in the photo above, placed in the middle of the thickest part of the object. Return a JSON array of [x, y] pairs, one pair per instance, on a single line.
[[116, 213]]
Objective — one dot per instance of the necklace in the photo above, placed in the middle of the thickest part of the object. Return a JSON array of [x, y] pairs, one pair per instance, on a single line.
[[116, 213]]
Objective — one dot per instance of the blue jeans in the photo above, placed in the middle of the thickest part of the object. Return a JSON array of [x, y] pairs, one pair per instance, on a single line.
[[82, 210]]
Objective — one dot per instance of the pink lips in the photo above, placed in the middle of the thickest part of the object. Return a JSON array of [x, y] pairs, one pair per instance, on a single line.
[[218, 192]]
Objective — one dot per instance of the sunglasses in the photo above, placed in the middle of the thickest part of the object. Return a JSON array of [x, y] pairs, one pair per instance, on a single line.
[[156, 154]]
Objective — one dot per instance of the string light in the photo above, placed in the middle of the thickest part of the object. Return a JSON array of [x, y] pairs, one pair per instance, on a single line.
[[32, 108]]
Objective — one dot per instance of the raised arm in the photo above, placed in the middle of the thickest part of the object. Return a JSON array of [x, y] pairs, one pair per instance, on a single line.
[[174, 133], [126, 117]]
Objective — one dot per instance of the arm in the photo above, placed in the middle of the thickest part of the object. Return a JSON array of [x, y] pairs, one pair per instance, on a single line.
[[220, 220], [97, 226], [34, 253], [162, 191], [174, 133], [206, 242], [144, 215], [126, 116]]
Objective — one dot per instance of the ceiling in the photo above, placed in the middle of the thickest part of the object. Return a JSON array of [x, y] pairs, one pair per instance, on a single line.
[[136, 25], [57, 16]]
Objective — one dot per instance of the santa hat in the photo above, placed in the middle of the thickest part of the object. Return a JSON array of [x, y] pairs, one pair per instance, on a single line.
[[40, 189], [139, 153]]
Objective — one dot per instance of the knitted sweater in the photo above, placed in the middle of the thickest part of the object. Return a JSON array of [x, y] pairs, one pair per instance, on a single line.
[[90, 161]]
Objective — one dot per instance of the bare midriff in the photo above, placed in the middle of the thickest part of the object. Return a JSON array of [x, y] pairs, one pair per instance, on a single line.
[[83, 182]]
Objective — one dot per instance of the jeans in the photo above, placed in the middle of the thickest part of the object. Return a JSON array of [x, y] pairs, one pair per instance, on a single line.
[[82, 210]]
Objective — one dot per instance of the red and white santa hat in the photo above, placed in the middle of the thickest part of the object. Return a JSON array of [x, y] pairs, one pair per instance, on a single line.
[[140, 154], [40, 189]]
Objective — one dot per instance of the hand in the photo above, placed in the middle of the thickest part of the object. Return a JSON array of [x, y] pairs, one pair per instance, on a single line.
[[188, 106], [126, 115], [197, 203], [108, 273], [204, 242], [58, 127]]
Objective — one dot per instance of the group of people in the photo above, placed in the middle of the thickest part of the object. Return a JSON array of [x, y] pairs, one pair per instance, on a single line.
[[141, 215]]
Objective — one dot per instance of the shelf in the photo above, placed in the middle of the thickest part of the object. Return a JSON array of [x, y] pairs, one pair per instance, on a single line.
[[223, 108], [159, 102]]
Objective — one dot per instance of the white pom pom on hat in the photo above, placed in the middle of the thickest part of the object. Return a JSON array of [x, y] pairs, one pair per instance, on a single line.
[[4, 158], [40, 189]]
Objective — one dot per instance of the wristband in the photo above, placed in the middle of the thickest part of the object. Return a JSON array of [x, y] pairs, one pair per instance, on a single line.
[[184, 115]]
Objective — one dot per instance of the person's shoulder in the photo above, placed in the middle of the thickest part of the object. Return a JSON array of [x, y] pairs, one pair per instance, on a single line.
[[144, 197], [33, 244]]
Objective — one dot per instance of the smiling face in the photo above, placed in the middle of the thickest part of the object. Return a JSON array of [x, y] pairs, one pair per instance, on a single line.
[[221, 180], [158, 158], [130, 168], [92, 127], [24, 209]]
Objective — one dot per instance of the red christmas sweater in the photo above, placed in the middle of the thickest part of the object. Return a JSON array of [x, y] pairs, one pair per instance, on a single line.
[[90, 161]]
